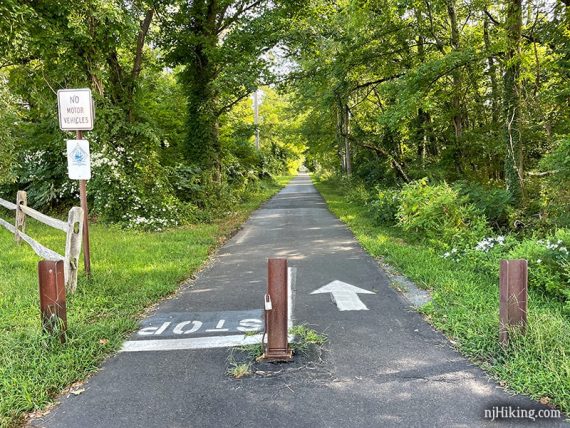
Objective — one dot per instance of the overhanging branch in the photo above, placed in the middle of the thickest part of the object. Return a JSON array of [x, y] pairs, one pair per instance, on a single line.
[[143, 31], [392, 159], [229, 106], [236, 16], [377, 81]]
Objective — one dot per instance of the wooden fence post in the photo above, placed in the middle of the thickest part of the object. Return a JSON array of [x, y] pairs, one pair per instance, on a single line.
[[73, 247], [21, 199]]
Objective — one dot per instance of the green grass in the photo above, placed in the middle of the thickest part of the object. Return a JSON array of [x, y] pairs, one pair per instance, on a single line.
[[242, 359], [305, 337], [239, 370], [131, 271], [465, 307]]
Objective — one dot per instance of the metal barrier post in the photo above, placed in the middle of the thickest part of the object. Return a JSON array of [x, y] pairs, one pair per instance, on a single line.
[[52, 297], [276, 312], [513, 297]]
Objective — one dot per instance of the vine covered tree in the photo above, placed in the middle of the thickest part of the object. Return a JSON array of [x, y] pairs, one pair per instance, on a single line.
[[223, 46]]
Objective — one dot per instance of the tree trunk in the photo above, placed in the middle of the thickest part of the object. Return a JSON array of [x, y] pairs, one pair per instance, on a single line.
[[492, 73], [202, 145], [339, 132], [421, 133], [343, 129], [137, 63], [123, 85], [346, 131], [511, 100], [458, 111]]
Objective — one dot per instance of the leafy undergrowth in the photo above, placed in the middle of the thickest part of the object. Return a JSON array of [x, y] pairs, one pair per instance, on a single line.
[[131, 271], [465, 307]]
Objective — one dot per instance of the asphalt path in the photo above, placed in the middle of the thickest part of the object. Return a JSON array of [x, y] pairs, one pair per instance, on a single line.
[[383, 365]]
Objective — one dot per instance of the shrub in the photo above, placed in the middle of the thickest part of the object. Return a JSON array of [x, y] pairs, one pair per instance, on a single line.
[[385, 205], [133, 194], [196, 187], [207, 200], [548, 261], [439, 213], [549, 264], [9, 121], [556, 192], [43, 174], [356, 193], [492, 201], [484, 256]]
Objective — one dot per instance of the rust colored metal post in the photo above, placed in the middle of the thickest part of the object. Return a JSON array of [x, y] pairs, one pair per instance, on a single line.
[[83, 197], [276, 323], [513, 297], [52, 297]]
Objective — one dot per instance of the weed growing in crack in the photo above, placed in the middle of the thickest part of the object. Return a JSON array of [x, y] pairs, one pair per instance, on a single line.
[[305, 337], [239, 370]]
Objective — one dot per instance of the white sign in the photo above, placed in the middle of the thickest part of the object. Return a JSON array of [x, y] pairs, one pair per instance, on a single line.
[[75, 109], [345, 295], [78, 160]]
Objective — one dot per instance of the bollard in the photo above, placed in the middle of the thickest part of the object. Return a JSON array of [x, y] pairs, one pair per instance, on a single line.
[[513, 297], [52, 297], [276, 312]]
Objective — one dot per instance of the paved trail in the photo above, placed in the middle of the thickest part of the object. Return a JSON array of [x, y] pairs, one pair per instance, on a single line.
[[384, 366]]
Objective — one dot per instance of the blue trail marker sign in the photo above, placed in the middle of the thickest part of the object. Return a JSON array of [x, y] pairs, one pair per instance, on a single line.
[[78, 160]]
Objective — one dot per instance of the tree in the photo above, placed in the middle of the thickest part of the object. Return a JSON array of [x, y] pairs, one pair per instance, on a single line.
[[223, 46], [421, 82], [512, 100], [8, 122], [104, 46]]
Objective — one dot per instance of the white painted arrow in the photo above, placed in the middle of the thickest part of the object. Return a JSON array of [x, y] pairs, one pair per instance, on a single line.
[[345, 295]]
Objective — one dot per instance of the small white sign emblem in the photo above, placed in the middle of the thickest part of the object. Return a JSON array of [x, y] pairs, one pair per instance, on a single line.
[[78, 160]]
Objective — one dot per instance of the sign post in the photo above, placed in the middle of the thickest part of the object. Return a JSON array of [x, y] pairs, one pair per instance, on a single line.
[[76, 113]]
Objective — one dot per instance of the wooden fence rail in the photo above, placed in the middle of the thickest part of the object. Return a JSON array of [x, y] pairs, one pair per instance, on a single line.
[[73, 230]]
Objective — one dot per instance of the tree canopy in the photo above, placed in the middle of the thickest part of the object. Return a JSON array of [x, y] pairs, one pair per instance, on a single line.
[[387, 91]]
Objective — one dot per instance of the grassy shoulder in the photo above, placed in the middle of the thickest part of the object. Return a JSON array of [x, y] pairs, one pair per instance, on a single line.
[[131, 271], [465, 307]]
